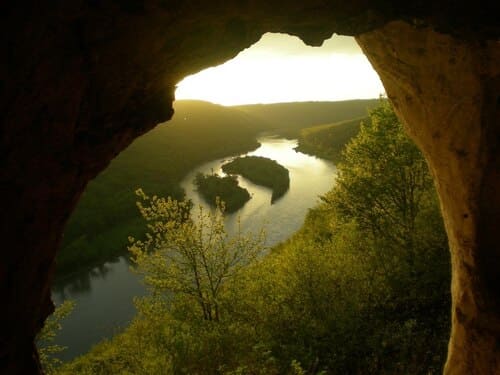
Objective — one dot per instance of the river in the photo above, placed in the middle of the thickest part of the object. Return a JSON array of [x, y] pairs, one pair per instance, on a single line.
[[104, 294]]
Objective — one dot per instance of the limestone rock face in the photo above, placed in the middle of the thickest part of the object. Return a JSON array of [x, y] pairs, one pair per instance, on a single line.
[[447, 93], [79, 80]]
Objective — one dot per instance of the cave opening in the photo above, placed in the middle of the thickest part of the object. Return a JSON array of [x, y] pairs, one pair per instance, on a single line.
[[80, 82], [278, 69]]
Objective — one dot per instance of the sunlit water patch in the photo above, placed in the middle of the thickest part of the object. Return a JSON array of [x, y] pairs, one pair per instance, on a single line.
[[309, 178]]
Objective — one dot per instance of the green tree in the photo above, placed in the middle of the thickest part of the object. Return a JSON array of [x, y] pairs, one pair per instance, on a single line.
[[383, 181], [190, 257], [47, 350], [385, 190]]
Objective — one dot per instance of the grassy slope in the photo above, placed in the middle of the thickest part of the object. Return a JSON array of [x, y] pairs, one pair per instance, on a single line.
[[289, 118], [327, 141], [157, 161]]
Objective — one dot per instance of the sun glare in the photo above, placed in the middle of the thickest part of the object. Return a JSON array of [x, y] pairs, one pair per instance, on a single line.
[[280, 68]]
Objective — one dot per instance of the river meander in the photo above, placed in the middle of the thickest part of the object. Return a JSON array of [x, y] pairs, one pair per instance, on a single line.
[[104, 294]]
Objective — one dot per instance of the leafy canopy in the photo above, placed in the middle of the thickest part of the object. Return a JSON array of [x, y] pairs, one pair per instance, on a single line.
[[190, 257]]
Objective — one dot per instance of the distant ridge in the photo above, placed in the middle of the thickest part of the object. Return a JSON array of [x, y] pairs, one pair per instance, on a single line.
[[200, 113], [294, 116]]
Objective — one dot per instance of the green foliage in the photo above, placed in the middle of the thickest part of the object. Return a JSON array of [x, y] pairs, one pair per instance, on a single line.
[[213, 187], [138, 350], [383, 181], [261, 171], [191, 258], [162, 342], [333, 306], [189, 264], [45, 338], [327, 141]]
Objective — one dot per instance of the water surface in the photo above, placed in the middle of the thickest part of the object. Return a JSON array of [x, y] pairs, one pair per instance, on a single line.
[[309, 178]]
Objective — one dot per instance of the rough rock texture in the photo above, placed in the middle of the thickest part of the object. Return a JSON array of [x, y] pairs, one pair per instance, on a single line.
[[79, 80], [447, 93]]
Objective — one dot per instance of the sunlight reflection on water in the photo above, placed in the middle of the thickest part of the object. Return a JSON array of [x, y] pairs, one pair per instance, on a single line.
[[309, 178]]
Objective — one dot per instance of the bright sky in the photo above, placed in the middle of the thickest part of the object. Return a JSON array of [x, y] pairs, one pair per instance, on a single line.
[[281, 68]]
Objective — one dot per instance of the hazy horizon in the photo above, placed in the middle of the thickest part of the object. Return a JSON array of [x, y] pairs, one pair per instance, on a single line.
[[290, 102], [280, 68]]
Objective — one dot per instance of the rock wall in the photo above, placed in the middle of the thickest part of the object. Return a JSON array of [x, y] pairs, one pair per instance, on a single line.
[[79, 80], [447, 93]]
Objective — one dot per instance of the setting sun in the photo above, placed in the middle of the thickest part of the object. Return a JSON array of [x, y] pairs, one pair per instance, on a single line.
[[281, 68]]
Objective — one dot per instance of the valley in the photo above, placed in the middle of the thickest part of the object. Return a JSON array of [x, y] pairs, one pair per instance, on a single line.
[[339, 261]]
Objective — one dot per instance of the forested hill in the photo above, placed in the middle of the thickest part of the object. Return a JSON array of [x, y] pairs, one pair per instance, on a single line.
[[327, 141], [290, 117]]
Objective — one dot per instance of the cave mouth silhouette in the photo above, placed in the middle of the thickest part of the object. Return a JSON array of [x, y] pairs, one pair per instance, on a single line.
[[81, 81], [352, 67]]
